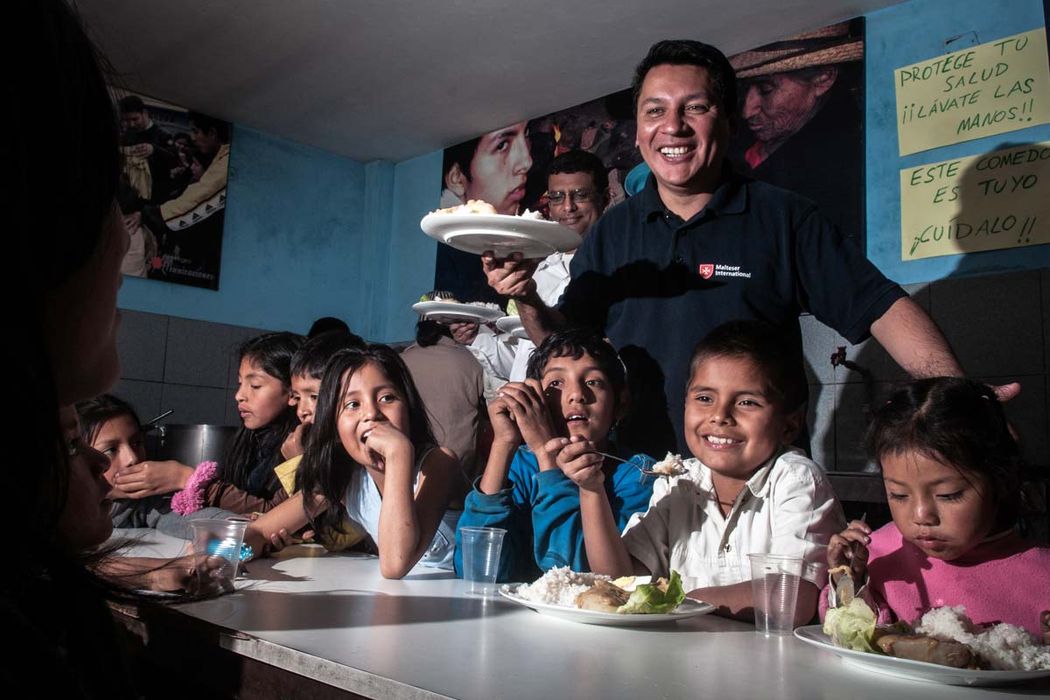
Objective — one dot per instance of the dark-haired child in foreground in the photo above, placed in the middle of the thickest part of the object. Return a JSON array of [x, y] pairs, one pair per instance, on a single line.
[[574, 392], [371, 456], [745, 491], [953, 475]]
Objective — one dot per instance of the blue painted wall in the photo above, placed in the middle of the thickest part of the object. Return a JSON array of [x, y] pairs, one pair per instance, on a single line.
[[295, 227], [308, 234], [410, 265], [902, 35]]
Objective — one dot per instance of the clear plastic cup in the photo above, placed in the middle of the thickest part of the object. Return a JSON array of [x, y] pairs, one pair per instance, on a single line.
[[217, 554], [481, 549], [774, 585]]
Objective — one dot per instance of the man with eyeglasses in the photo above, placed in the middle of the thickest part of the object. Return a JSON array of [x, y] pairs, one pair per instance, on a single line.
[[577, 194]]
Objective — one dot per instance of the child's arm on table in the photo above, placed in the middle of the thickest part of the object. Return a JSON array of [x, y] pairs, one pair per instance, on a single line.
[[606, 552], [407, 519], [151, 573], [272, 529], [737, 601]]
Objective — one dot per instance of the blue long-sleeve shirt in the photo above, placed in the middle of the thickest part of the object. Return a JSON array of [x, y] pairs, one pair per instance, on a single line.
[[541, 513]]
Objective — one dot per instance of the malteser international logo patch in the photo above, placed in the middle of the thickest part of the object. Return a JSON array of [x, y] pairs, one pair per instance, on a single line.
[[709, 270]]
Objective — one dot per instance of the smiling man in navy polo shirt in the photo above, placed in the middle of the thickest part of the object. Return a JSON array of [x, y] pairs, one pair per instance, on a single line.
[[699, 246]]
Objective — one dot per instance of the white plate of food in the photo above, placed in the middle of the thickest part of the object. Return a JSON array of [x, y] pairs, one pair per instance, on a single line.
[[456, 312], [502, 234], [561, 587], [513, 326], [914, 670]]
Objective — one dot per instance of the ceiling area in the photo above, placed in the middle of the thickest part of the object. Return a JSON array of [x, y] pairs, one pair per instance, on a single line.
[[375, 79]]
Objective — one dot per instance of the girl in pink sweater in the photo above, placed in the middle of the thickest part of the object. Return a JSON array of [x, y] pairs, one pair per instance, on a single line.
[[952, 472]]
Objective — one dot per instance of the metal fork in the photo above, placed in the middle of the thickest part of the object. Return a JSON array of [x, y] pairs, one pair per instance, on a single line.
[[643, 470]]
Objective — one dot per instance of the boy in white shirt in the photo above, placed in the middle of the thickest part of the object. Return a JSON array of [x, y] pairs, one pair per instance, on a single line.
[[744, 492]]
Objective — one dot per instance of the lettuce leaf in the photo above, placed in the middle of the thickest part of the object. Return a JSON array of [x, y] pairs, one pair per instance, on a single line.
[[647, 598], [852, 626]]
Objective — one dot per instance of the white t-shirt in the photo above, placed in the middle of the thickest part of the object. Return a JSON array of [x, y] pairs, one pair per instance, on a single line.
[[787, 507], [551, 277], [363, 503]]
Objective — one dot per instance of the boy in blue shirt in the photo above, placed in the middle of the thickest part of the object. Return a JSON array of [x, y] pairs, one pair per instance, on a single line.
[[575, 390]]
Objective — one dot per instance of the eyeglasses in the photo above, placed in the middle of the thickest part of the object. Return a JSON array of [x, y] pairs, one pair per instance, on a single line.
[[557, 198]]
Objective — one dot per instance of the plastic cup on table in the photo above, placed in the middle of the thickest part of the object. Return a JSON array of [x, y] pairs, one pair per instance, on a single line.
[[774, 585], [481, 550], [217, 554]]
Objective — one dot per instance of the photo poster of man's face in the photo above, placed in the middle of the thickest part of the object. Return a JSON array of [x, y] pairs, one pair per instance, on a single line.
[[800, 119], [172, 190], [799, 126], [508, 168]]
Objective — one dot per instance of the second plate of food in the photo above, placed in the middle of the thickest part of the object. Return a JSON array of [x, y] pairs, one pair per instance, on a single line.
[[513, 326], [455, 312], [915, 670], [503, 235], [688, 608]]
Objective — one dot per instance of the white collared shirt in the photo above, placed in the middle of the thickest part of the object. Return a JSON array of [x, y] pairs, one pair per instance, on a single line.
[[788, 507], [551, 277]]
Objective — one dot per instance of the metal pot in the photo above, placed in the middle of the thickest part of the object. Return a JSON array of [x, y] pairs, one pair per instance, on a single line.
[[189, 444]]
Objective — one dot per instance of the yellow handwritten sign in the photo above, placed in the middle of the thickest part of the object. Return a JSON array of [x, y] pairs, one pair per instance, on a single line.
[[986, 202], [985, 90]]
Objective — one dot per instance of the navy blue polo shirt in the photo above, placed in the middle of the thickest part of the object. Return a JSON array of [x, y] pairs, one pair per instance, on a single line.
[[655, 284]]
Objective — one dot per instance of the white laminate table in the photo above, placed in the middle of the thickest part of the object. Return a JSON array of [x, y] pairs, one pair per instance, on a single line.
[[333, 618]]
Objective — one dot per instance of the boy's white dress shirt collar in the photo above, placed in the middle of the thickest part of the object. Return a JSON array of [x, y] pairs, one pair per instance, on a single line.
[[788, 507]]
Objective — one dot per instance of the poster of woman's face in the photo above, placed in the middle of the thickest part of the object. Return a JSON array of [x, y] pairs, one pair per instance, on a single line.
[[800, 126], [172, 190]]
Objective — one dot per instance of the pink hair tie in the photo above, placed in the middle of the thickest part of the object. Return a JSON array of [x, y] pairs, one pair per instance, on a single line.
[[191, 499]]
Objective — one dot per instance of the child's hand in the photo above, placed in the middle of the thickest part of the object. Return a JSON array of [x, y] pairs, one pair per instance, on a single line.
[[529, 412], [177, 576], [385, 443], [504, 429], [579, 460], [151, 478], [263, 544], [293, 444], [849, 547]]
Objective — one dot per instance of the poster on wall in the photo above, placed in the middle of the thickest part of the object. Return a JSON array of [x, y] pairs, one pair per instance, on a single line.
[[801, 119], [990, 201], [508, 168], [801, 127], [985, 90], [172, 190]]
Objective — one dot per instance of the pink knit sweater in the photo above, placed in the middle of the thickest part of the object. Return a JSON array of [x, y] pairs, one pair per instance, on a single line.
[[1006, 579]]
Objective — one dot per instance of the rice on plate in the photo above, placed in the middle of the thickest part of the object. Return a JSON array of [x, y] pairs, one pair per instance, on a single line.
[[1003, 646], [559, 586]]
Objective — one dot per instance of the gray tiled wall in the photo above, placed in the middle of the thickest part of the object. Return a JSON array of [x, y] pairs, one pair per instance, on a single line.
[[179, 363], [998, 326]]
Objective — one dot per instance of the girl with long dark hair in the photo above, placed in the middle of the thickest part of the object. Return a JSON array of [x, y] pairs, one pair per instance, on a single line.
[[372, 453]]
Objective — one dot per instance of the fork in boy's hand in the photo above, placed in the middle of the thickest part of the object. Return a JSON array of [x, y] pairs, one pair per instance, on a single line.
[[643, 470]]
